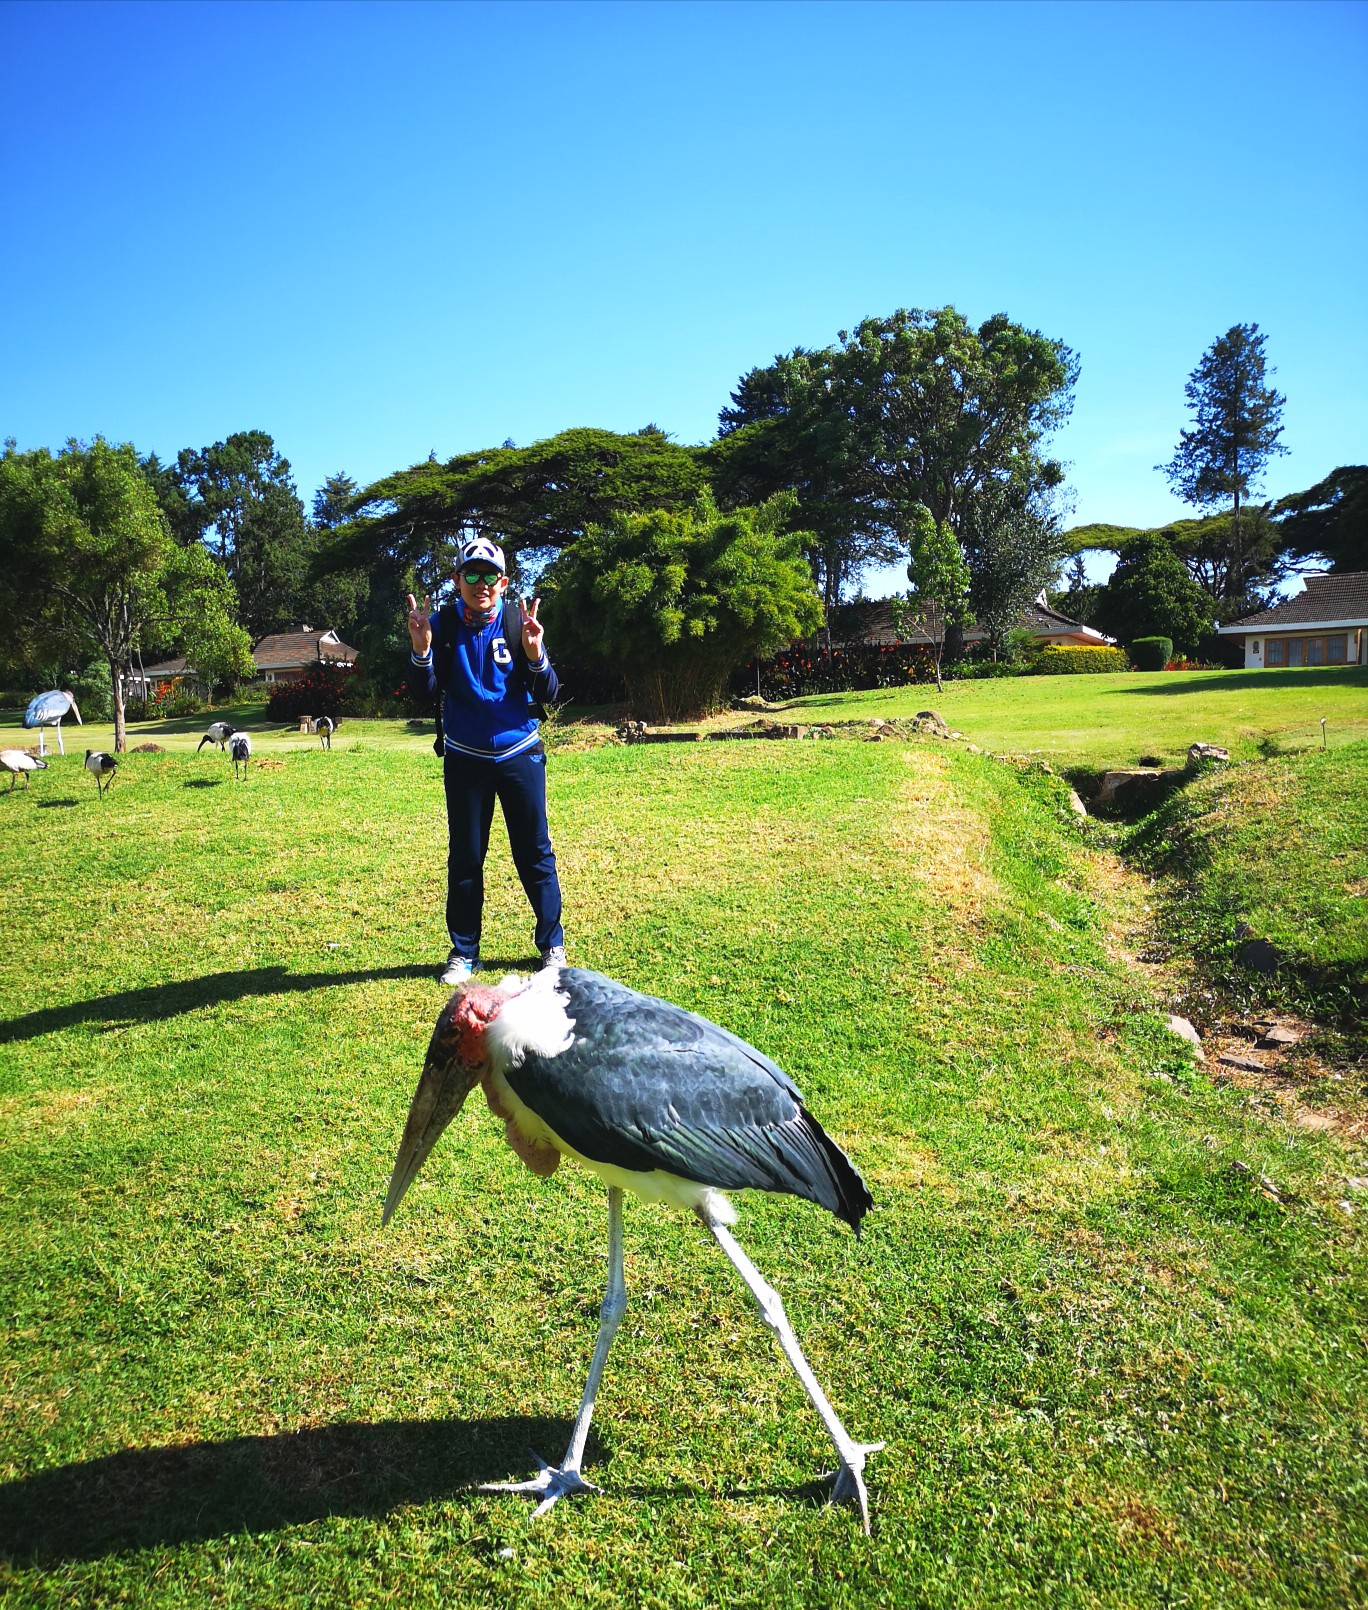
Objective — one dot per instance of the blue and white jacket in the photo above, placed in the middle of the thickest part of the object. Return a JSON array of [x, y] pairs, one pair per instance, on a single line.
[[488, 685]]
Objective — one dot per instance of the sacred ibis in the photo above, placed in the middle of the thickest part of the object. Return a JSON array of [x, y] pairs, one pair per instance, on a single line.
[[217, 732], [240, 748], [101, 767], [326, 726], [48, 710], [652, 1099], [19, 763]]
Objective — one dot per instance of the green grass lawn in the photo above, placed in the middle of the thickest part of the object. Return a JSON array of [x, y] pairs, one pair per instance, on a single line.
[[1101, 721], [1280, 847], [1110, 1367]]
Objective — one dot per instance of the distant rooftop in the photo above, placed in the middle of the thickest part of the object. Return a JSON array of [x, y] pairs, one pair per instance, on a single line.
[[1339, 599]]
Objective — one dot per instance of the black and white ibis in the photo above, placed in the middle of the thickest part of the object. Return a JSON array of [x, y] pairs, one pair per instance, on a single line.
[[101, 767], [654, 1100], [217, 732], [325, 727], [240, 748], [19, 763], [48, 710]]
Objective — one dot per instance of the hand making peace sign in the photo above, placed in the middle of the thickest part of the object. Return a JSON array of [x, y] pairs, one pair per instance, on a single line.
[[532, 630], [420, 624]]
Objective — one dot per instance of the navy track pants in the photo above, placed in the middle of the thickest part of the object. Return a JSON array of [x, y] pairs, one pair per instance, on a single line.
[[520, 787]]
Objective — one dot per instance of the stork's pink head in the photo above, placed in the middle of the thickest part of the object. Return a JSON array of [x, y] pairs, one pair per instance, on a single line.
[[469, 1013]]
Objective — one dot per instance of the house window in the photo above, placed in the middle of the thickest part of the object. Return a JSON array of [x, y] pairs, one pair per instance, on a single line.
[[1277, 651], [1315, 650], [1335, 649]]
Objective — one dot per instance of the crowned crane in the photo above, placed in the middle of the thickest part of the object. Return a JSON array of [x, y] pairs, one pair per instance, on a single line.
[[240, 748], [48, 710], [325, 727], [652, 1099], [19, 763], [217, 732], [101, 767]]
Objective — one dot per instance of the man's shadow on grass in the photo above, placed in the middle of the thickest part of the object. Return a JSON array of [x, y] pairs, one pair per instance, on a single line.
[[156, 1002], [163, 1497]]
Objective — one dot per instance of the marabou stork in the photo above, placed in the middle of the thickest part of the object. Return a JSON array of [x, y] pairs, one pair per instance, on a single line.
[[18, 762], [240, 748], [325, 727], [652, 1099], [101, 767], [47, 710], [217, 732]]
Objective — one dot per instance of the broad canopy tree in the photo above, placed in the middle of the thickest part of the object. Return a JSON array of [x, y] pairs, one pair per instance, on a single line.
[[86, 556], [917, 409], [675, 601], [1328, 523], [533, 501]]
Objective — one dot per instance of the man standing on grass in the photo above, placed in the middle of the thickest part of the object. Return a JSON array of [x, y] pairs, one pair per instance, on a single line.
[[491, 691]]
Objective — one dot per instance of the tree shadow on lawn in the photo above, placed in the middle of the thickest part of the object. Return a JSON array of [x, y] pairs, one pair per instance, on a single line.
[[156, 1002], [143, 1498], [1250, 681]]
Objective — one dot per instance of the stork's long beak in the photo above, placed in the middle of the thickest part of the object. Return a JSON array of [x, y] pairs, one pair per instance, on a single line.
[[441, 1092], [77, 714]]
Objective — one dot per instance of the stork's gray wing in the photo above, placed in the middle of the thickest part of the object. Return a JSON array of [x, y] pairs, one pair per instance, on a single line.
[[645, 1085]]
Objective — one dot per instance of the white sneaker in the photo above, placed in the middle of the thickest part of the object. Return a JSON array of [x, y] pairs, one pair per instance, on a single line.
[[458, 969], [554, 957]]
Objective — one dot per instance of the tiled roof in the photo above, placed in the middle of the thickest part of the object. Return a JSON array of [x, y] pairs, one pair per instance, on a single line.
[[1335, 600], [287, 651]]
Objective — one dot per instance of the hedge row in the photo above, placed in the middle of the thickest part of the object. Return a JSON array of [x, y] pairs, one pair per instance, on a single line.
[[1062, 660]]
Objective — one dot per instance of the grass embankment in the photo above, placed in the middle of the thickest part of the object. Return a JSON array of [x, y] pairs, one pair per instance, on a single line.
[[1111, 1369], [1104, 721], [1280, 847]]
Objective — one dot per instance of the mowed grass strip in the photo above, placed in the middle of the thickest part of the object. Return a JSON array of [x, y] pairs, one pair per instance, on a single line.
[[1112, 720], [1110, 1367]]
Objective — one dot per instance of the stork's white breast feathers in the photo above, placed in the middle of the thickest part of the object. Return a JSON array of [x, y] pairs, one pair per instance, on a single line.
[[534, 1020]]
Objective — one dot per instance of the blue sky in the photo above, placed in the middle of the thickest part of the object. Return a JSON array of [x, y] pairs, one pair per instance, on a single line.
[[378, 230]]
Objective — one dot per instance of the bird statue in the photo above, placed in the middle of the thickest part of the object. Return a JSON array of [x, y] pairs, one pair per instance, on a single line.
[[19, 763], [325, 727], [47, 710], [652, 1099], [101, 767], [240, 748], [217, 732]]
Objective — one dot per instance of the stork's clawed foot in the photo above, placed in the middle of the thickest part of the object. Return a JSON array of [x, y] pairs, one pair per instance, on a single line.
[[849, 1480], [550, 1483]]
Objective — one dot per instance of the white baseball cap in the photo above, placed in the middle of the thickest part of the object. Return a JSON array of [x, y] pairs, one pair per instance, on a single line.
[[482, 549]]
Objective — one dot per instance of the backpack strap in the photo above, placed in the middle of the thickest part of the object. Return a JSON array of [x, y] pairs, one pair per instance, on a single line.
[[512, 632]]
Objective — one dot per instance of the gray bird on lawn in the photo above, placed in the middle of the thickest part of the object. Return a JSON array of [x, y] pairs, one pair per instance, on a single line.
[[101, 767], [217, 732], [654, 1100], [240, 748], [19, 763], [48, 710], [326, 726]]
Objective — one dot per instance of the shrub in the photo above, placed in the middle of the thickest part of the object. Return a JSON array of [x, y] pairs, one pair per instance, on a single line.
[[169, 699], [1066, 660], [1151, 653], [800, 670], [324, 691]]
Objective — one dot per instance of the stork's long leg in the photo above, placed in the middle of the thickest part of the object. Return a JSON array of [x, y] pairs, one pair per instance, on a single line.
[[555, 1481], [849, 1481]]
